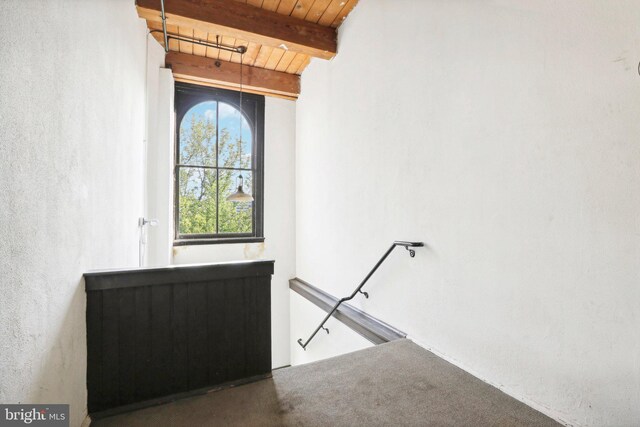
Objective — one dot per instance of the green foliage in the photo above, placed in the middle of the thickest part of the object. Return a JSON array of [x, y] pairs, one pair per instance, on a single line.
[[203, 192]]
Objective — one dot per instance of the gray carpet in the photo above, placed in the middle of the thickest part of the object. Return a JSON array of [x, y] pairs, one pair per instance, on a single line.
[[393, 384]]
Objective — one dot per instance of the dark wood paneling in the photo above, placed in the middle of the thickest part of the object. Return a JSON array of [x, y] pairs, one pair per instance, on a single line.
[[251, 348], [233, 334], [126, 343], [180, 338], [216, 348], [148, 342], [197, 334], [94, 346], [161, 341], [263, 308], [110, 348], [142, 359]]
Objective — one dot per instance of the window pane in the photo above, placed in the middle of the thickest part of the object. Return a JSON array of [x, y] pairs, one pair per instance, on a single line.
[[234, 152], [197, 193], [235, 217], [198, 135]]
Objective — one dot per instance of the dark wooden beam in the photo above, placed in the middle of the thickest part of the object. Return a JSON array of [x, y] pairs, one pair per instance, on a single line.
[[215, 72], [245, 22]]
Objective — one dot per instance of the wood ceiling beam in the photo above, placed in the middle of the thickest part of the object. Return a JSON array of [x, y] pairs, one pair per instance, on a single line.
[[245, 22], [215, 72]]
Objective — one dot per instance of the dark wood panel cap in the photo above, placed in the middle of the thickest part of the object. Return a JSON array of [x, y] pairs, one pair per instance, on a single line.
[[126, 278]]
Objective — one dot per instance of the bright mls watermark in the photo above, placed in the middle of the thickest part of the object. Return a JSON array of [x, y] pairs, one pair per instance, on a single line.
[[34, 415]]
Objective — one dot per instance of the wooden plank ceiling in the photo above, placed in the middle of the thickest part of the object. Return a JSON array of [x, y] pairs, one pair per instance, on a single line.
[[281, 37]]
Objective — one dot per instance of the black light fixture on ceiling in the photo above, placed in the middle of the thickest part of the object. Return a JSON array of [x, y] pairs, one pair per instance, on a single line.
[[240, 195]]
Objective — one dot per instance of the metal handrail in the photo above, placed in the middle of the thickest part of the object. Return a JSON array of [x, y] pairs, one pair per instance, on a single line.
[[412, 253]]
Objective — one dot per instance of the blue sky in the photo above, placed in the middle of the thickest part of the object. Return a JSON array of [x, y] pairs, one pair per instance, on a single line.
[[229, 118]]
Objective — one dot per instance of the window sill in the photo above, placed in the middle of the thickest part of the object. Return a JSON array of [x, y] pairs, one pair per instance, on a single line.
[[217, 241]]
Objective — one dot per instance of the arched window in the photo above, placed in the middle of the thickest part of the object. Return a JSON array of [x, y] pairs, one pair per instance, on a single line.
[[217, 147]]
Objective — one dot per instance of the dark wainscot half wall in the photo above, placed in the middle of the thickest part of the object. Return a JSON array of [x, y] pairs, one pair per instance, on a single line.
[[158, 334]]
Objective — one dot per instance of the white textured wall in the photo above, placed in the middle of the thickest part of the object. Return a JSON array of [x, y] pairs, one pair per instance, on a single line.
[[71, 142], [159, 164], [504, 134], [279, 220]]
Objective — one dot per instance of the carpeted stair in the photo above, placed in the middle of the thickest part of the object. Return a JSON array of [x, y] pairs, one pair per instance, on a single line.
[[393, 384]]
